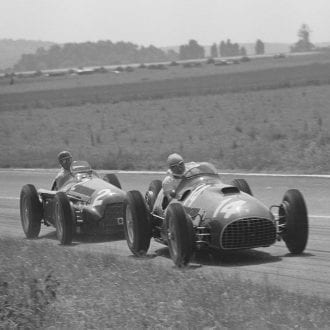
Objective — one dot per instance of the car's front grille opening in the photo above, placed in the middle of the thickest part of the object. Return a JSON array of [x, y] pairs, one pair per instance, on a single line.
[[248, 233], [113, 217]]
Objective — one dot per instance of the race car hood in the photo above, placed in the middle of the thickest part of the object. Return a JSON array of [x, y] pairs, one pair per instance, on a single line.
[[94, 191], [224, 203]]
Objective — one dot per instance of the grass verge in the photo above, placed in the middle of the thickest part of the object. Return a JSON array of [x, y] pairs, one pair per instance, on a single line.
[[44, 285], [275, 130]]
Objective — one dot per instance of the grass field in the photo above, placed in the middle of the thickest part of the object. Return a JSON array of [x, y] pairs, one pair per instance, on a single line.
[[263, 115], [43, 285], [279, 130], [144, 84]]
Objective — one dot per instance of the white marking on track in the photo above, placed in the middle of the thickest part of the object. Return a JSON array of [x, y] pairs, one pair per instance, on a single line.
[[9, 198], [51, 170], [319, 216]]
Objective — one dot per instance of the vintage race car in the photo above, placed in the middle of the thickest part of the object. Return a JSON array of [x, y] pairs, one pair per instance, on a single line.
[[207, 213], [84, 204]]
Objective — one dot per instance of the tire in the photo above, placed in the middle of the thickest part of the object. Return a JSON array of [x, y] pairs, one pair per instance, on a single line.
[[31, 211], [136, 224], [63, 218], [152, 193], [180, 234], [112, 179], [294, 212], [242, 185]]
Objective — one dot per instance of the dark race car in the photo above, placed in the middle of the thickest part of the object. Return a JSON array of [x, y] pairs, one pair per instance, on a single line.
[[84, 204], [206, 213]]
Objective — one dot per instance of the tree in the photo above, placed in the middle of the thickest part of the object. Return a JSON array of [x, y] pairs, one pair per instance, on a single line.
[[191, 51], [259, 47], [242, 51], [303, 44], [222, 49], [214, 51], [229, 49]]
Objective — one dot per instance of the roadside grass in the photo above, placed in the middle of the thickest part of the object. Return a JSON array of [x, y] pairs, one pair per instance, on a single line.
[[43, 285], [214, 84], [271, 130], [24, 85]]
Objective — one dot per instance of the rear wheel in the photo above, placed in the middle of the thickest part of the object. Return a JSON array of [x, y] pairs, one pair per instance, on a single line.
[[112, 179], [152, 193], [136, 224], [242, 185], [63, 218], [180, 234], [294, 213], [31, 211]]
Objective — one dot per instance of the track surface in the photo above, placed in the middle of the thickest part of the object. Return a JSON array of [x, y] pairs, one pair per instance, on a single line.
[[308, 273]]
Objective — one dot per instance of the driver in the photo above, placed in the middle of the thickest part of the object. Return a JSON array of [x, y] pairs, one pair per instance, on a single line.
[[65, 160], [176, 170]]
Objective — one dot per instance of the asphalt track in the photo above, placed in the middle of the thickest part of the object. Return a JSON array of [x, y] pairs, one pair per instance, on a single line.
[[308, 273]]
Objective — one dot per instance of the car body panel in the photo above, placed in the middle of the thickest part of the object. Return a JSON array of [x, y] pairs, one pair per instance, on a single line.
[[97, 205], [223, 216]]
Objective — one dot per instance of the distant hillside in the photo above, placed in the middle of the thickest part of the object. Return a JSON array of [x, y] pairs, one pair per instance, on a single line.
[[12, 50]]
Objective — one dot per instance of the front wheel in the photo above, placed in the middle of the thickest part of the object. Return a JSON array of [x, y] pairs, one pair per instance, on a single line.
[[31, 211], [293, 211], [180, 234], [152, 193], [112, 179], [136, 224], [63, 218], [242, 185]]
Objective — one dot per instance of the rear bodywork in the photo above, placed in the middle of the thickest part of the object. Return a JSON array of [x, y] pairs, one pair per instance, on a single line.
[[223, 217], [97, 205]]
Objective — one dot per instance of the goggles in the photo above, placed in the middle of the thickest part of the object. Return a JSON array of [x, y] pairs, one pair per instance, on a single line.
[[177, 165], [65, 160]]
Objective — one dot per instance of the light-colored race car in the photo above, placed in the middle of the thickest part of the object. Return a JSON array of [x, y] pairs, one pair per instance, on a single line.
[[207, 213], [84, 204]]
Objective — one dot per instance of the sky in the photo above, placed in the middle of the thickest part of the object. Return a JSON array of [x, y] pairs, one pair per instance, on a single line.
[[164, 22]]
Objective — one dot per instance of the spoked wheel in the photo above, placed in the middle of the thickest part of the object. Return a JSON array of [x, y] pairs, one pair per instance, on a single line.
[[293, 214], [31, 211], [63, 218], [112, 179], [152, 193], [180, 234], [242, 185], [136, 224]]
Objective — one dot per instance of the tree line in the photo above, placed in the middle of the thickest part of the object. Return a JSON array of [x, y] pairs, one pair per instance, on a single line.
[[109, 53], [91, 54]]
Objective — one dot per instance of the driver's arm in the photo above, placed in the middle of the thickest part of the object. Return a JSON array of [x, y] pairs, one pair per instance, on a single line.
[[169, 186]]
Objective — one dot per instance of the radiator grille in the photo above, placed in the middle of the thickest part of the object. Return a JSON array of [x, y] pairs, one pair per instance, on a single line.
[[192, 211], [113, 217], [248, 233]]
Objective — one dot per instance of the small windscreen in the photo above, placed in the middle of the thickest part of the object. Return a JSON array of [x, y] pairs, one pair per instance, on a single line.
[[80, 166], [200, 168]]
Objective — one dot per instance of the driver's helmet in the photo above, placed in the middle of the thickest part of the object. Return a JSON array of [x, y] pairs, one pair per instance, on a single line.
[[176, 164], [65, 159]]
